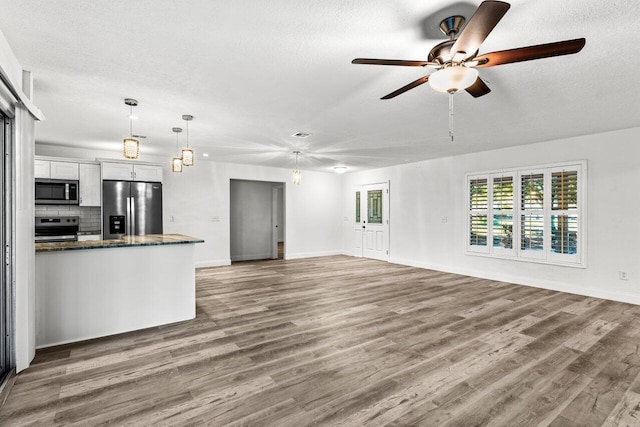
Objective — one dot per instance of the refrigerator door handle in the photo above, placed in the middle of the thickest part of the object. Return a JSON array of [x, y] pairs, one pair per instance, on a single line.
[[128, 224], [133, 216]]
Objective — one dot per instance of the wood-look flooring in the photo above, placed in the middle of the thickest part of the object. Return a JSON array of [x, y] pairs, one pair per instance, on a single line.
[[349, 342]]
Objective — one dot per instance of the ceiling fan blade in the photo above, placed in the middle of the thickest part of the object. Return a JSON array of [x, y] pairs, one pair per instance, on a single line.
[[483, 21], [528, 53], [478, 89], [403, 89], [400, 62]]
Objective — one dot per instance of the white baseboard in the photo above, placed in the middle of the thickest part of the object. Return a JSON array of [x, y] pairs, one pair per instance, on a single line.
[[212, 263], [313, 254], [526, 281]]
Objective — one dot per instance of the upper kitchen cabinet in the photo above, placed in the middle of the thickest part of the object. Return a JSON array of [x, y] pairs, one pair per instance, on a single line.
[[131, 172], [147, 173], [56, 170], [42, 169], [90, 184]]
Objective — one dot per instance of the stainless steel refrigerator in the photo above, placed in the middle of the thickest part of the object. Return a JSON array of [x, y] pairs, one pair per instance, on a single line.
[[131, 208]]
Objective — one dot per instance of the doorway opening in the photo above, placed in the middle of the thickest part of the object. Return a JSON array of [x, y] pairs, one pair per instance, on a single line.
[[371, 221], [257, 220]]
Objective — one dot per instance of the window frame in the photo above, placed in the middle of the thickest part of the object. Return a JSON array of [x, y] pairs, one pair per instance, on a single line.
[[546, 255]]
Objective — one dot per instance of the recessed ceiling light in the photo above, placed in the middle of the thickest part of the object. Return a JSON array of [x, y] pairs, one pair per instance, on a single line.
[[301, 134], [340, 169], [205, 154]]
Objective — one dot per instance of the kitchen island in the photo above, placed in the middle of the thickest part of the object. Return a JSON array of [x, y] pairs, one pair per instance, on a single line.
[[92, 289]]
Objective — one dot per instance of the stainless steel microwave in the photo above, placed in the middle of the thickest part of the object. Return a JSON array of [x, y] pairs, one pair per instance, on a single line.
[[56, 192]]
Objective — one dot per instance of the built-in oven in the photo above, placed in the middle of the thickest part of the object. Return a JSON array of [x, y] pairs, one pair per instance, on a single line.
[[57, 229], [56, 192]]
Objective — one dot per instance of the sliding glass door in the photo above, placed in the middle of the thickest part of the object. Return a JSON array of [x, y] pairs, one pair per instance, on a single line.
[[5, 239]]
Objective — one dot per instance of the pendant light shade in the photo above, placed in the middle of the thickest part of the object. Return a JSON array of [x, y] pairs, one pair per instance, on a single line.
[[187, 156], [131, 146], [176, 162], [187, 153], [297, 174], [176, 165]]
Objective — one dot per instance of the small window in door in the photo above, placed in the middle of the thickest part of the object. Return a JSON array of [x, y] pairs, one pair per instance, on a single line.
[[375, 206], [357, 206]]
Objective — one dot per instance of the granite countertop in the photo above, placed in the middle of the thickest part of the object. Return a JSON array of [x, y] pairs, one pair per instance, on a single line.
[[126, 241]]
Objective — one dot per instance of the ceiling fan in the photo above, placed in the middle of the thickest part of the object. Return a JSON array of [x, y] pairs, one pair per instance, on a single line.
[[456, 59]]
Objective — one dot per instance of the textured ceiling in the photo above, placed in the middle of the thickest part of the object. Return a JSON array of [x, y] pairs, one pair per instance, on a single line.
[[255, 72]]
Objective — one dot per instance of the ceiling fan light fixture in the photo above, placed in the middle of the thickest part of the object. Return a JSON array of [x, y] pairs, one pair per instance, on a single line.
[[452, 79]]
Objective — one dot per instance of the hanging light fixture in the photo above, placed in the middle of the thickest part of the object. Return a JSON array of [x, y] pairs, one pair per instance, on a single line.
[[131, 146], [187, 153], [297, 175], [176, 162]]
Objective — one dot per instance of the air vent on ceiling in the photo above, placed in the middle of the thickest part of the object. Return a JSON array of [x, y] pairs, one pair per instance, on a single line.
[[301, 134]]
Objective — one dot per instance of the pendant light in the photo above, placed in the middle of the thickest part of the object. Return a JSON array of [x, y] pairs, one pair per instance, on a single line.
[[131, 146], [297, 174], [187, 153], [176, 162]]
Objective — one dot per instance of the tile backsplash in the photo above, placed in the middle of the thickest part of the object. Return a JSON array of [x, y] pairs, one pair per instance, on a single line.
[[90, 219]]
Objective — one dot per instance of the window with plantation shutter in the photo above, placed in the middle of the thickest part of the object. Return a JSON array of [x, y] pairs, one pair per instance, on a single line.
[[478, 209], [532, 214], [502, 218], [532, 204]]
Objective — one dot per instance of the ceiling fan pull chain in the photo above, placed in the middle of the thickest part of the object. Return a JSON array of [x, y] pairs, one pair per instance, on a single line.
[[451, 116]]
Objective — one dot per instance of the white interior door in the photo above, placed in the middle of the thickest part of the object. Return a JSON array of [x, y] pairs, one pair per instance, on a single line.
[[375, 220], [358, 226]]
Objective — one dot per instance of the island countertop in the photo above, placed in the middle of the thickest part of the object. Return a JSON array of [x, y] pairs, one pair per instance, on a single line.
[[126, 241]]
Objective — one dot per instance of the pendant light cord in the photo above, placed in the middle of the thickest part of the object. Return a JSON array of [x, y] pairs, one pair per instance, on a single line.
[[130, 121], [187, 133]]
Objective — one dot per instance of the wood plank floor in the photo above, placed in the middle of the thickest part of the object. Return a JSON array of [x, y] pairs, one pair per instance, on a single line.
[[350, 342]]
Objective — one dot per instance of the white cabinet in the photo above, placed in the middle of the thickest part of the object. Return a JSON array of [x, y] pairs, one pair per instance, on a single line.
[[120, 171], [90, 184], [131, 172], [147, 173], [64, 170], [56, 170], [42, 169]]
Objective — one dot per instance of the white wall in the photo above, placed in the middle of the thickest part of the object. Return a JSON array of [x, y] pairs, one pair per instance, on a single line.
[[250, 221], [421, 194], [199, 198], [202, 194]]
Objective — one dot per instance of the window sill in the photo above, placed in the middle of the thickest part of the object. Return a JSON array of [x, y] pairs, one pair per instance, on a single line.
[[581, 264]]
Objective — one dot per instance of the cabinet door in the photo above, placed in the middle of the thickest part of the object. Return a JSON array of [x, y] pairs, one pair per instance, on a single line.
[[90, 184], [119, 171], [147, 173], [42, 169], [64, 170]]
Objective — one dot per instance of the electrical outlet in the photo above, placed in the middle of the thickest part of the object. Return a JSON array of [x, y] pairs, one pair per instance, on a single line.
[[215, 219], [444, 219], [346, 218], [623, 275], [172, 219]]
